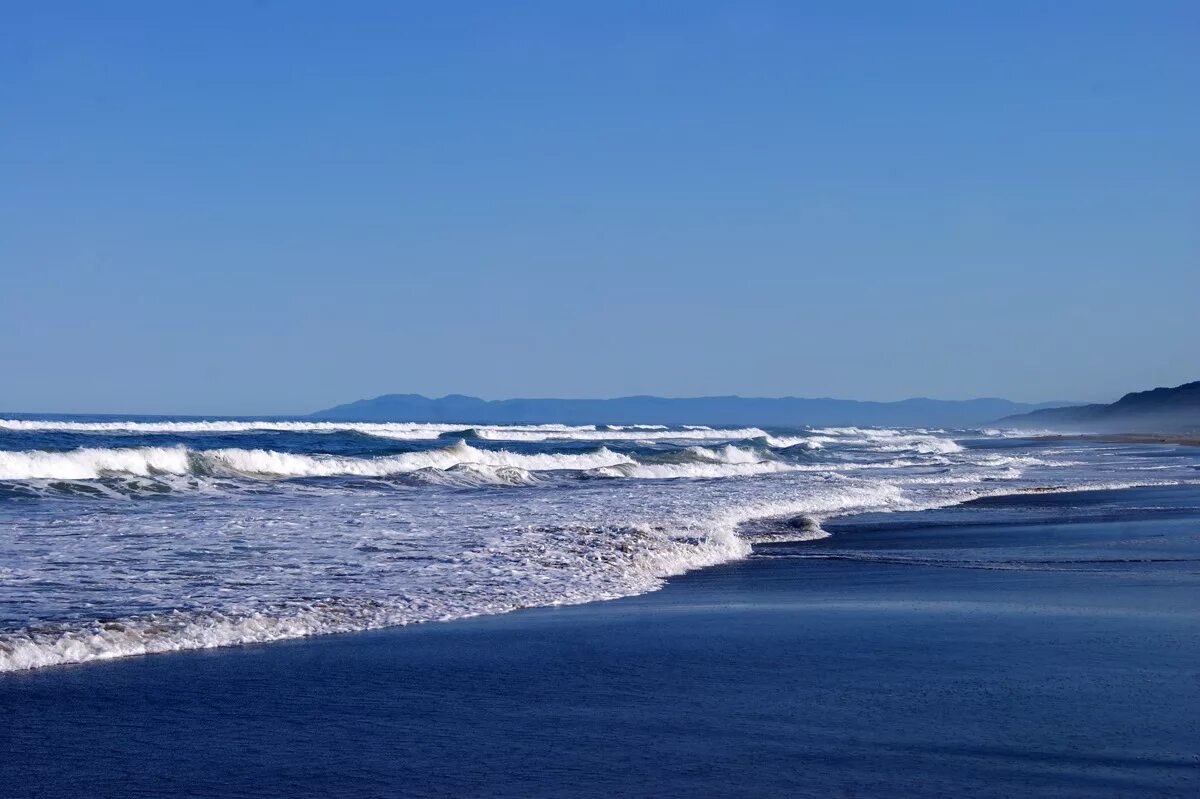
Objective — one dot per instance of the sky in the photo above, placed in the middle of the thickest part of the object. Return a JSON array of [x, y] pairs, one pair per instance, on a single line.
[[274, 207]]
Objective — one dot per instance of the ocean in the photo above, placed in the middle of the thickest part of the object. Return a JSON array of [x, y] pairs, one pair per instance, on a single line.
[[122, 537]]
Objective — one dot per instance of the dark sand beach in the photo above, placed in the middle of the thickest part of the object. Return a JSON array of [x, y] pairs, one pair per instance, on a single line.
[[1180, 439], [1030, 646]]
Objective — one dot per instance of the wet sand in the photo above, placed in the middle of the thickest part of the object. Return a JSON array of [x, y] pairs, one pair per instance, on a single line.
[[1025, 646], [1181, 439]]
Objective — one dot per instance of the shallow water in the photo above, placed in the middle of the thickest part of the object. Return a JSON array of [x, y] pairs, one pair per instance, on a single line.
[[898, 668], [122, 537]]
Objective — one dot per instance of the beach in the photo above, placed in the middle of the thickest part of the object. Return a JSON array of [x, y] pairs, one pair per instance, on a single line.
[[586, 400], [1036, 645], [1179, 439]]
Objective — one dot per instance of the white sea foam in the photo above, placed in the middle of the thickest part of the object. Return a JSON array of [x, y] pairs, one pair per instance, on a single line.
[[922, 444], [91, 463], [404, 431], [691, 461], [401, 430], [666, 471], [282, 464], [589, 563], [241, 426], [473, 474], [421, 536], [726, 454], [897, 442], [786, 442], [624, 434]]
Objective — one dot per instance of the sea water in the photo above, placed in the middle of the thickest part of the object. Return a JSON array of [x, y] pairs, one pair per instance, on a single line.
[[132, 536]]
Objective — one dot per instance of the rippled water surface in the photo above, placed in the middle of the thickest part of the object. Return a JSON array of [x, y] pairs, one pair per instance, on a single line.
[[126, 537]]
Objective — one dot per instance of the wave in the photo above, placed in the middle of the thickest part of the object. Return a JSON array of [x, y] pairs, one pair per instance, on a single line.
[[473, 474], [91, 463], [445, 555], [664, 471], [398, 430], [726, 454], [787, 442], [598, 563], [403, 430], [620, 434], [282, 464], [594, 563], [94, 463], [926, 442], [925, 445]]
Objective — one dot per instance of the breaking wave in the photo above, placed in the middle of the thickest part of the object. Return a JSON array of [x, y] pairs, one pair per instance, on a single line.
[[888, 440], [242, 548], [404, 431], [619, 434], [95, 463], [787, 442], [579, 564], [663, 471], [87, 463]]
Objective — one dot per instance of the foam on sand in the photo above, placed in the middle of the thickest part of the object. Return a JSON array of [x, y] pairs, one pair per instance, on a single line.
[[313, 535], [588, 564]]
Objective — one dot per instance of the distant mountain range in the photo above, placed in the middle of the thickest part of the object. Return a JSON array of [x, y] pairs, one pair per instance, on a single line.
[[1160, 410], [781, 412]]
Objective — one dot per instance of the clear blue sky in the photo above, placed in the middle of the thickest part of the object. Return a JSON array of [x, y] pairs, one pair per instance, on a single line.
[[274, 207]]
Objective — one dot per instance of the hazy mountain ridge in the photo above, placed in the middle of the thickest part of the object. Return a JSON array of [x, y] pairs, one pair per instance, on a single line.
[[724, 410], [1175, 409]]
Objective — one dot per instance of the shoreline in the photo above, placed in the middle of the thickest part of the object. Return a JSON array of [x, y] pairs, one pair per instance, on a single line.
[[1181, 439], [819, 533], [822, 668]]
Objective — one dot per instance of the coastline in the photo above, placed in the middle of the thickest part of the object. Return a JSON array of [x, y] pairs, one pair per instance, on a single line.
[[231, 635], [869, 663], [1181, 439]]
